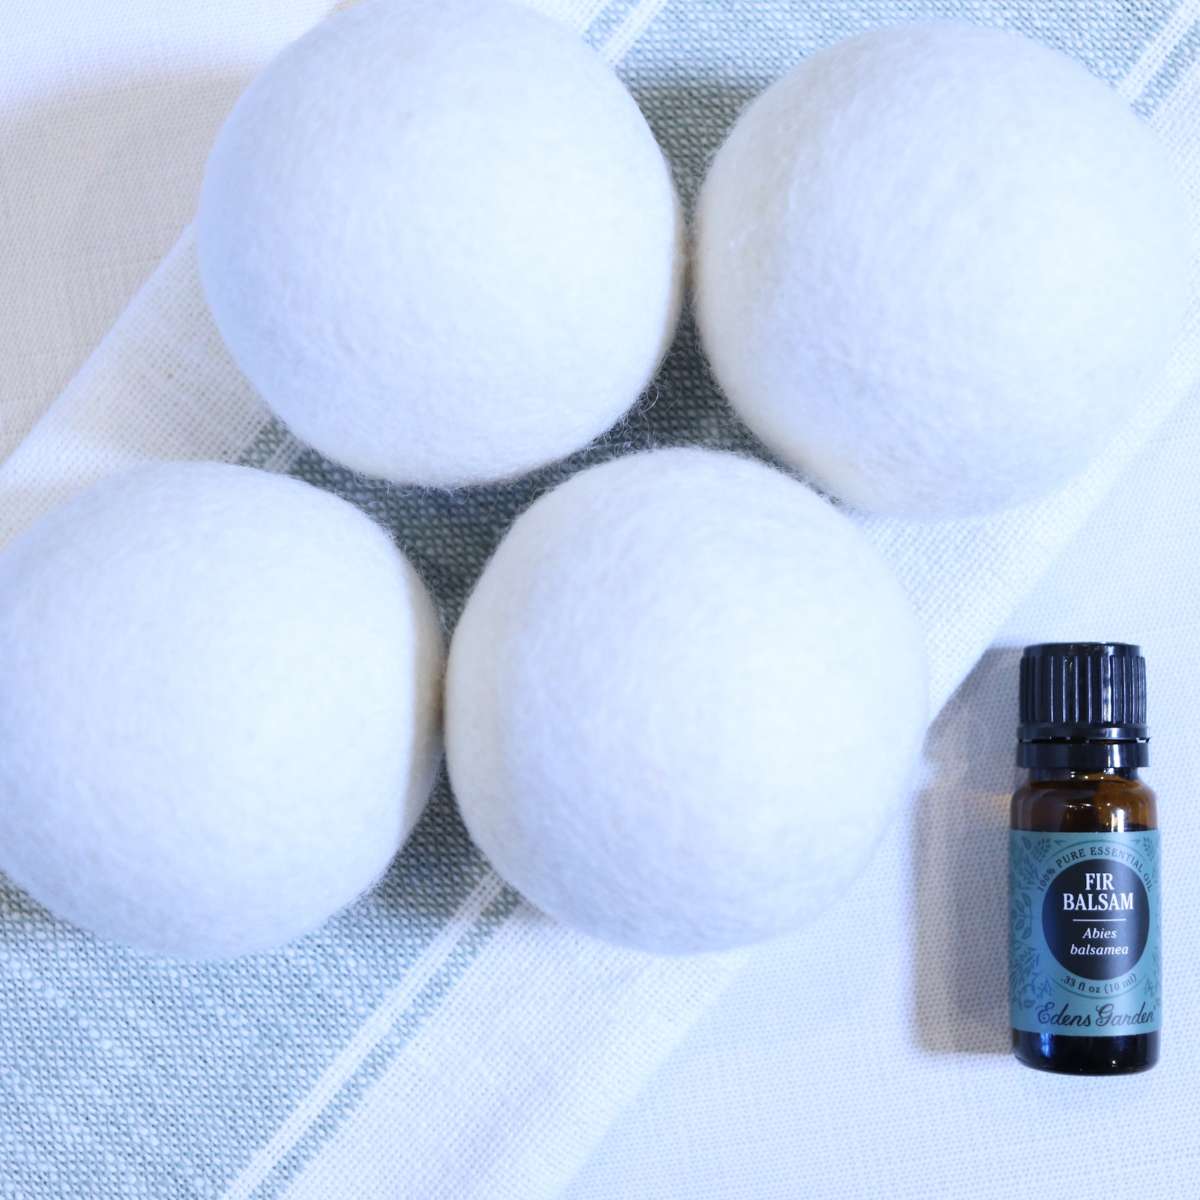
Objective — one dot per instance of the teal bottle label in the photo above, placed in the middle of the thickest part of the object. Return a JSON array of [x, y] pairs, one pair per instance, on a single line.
[[1084, 955]]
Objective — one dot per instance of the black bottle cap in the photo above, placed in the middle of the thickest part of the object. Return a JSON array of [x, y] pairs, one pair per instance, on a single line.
[[1083, 706]]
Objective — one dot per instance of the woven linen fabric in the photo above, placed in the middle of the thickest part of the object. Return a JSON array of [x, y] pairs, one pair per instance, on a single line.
[[440, 1039]]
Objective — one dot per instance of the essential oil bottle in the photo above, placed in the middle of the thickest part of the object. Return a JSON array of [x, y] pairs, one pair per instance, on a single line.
[[1085, 964]]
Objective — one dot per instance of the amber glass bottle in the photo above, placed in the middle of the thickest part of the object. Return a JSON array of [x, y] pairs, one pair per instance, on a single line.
[[1085, 961]]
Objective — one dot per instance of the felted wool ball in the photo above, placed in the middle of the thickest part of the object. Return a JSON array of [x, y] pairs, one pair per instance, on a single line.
[[220, 708], [440, 240], [681, 702], [937, 265]]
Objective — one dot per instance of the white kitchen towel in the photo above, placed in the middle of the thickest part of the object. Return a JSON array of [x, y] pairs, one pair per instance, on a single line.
[[440, 1039]]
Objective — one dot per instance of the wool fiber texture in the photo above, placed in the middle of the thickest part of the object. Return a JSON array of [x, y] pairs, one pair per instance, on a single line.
[[219, 712], [934, 263], [682, 701], [441, 240]]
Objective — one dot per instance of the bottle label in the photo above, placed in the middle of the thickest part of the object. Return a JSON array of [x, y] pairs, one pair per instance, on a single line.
[[1084, 956]]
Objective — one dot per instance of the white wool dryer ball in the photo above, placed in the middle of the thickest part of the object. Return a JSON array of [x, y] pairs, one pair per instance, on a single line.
[[440, 239], [682, 701], [936, 266], [219, 712]]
